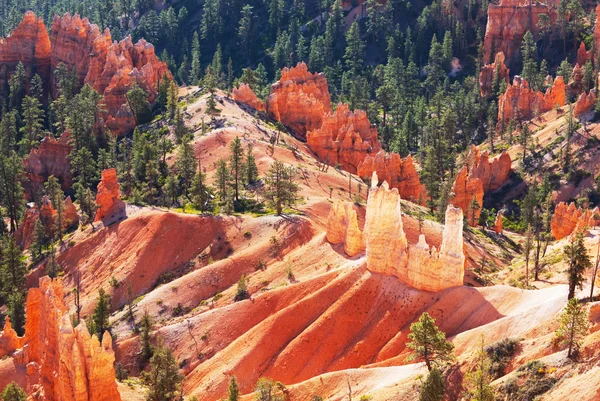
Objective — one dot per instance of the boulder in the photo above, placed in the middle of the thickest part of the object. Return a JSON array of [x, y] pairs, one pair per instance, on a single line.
[[398, 173], [507, 23], [497, 70], [244, 95], [62, 362], [108, 198], [299, 100], [345, 138], [342, 228], [50, 158]]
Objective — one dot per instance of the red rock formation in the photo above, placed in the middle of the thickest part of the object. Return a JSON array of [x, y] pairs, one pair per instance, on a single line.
[[491, 173], [575, 83], [108, 198], [585, 105], [597, 29], [342, 228], [398, 173], [29, 44], [60, 362], [388, 251], [245, 95], [50, 158], [498, 223], [466, 188], [299, 100], [568, 218], [520, 102], [583, 56], [509, 21], [26, 231], [344, 138], [489, 71]]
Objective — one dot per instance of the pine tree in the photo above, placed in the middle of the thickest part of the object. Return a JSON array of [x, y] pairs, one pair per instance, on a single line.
[[573, 326], [246, 33], [432, 388], [355, 48], [428, 343], [579, 262], [236, 166], [11, 191], [212, 23], [223, 181], [33, 117], [281, 188], [12, 392], [195, 69], [99, 322], [200, 192], [251, 169], [233, 391], [137, 100], [530, 67], [16, 84], [16, 311], [146, 328], [186, 165], [163, 377], [40, 241], [55, 194], [478, 381]]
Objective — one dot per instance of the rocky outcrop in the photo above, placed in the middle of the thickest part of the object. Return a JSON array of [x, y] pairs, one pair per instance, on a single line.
[[108, 198], [467, 189], [50, 158], [244, 94], [342, 228], [25, 233], [398, 173], [492, 173], [583, 55], [508, 21], [520, 102], [597, 29], [388, 251], [498, 223], [568, 218], [60, 362], [345, 138], [584, 107], [299, 100], [490, 73], [29, 44], [575, 83]]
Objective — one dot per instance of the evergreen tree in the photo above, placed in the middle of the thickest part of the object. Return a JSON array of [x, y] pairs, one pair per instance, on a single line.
[[355, 48], [195, 69], [11, 191], [12, 392], [212, 22], [99, 322], [281, 188], [579, 262], [246, 33], [163, 378], [432, 388], [200, 193], [250, 168], [223, 180], [17, 85], [145, 329], [16, 311], [233, 391], [428, 343], [573, 326], [478, 380], [137, 100], [236, 166], [186, 165], [33, 117]]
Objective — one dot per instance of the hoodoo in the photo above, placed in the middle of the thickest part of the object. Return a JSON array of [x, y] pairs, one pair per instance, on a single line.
[[108, 197]]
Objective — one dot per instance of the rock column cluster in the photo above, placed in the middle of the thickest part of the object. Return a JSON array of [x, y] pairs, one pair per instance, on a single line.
[[108, 197]]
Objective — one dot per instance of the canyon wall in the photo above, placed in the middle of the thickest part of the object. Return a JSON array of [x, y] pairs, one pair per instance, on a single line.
[[299, 100], [61, 363], [568, 219], [345, 138], [108, 197], [508, 21], [398, 173], [342, 228], [388, 251], [244, 94]]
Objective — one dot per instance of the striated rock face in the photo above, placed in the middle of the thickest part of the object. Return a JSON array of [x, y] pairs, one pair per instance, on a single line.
[[25, 233], [50, 158], [492, 173], [508, 21], [344, 138], [416, 265], [489, 71], [568, 218], [585, 104], [342, 228], [245, 95], [29, 44], [299, 100], [398, 173], [108, 198], [498, 223], [520, 102], [62, 363], [466, 188]]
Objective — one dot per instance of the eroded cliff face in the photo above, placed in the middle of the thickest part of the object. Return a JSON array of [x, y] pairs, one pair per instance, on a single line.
[[299, 100], [568, 219], [111, 68], [345, 137], [342, 228], [468, 189], [497, 70], [388, 251], [29, 44], [584, 107], [61, 363], [244, 94], [398, 173], [583, 55], [508, 21], [50, 158], [108, 197], [520, 102]]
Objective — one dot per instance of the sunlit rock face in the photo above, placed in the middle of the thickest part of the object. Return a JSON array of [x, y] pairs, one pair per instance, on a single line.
[[108, 197], [568, 219], [345, 138], [342, 228], [50, 158], [498, 223], [520, 102], [584, 107], [397, 172], [507, 23], [299, 100], [61, 363], [497, 70], [388, 251], [244, 95]]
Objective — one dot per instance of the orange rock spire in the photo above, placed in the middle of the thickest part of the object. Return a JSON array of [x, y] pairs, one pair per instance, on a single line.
[[108, 197], [244, 94]]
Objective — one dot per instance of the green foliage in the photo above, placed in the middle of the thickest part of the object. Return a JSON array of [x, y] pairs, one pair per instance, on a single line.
[[281, 188], [233, 391], [573, 326], [99, 321], [269, 390], [479, 379], [242, 289], [432, 389], [579, 261], [163, 378], [500, 354], [13, 392], [428, 343]]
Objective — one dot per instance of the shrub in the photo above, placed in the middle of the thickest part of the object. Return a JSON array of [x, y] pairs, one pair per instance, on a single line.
[[500, 354]]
